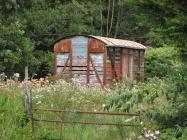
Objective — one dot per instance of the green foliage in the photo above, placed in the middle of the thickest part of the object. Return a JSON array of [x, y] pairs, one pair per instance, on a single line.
[[184, 135], [127, 96], [39, 23], [12, 116], [28, 28], [61, 95], [162, 101], [161, 62]]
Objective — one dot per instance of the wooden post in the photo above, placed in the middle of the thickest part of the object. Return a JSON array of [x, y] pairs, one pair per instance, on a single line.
[[28, 100], [27, 94], [62, 126]]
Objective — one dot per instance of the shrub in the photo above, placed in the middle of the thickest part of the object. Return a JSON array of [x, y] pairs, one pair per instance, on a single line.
[[161, 62]]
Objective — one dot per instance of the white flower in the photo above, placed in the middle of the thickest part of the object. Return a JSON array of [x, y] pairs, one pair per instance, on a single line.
[[103, 105], [37, 96], [157, 132], [39, 102], [151, 134]]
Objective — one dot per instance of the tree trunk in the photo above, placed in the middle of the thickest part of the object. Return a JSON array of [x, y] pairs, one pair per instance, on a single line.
[[112, 18], [107, 22], [101, 15], [117, 22]]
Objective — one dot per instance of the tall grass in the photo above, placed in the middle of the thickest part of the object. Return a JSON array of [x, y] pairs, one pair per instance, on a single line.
[[60, 95], [12, 123]]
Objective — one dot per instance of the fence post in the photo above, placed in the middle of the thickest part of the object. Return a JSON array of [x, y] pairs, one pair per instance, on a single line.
[[27, 93], [62, 126], [28, 100]]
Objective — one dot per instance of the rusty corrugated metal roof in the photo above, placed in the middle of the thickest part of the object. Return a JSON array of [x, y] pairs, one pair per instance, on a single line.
[[111, 42]]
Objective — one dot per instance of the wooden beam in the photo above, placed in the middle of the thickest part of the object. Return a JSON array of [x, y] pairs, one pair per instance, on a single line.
[[55, 68], [139, 65], [104, 66], [121, 64], [88, 68], [112, 59], [71, 61], [66, 64], [97, 75]]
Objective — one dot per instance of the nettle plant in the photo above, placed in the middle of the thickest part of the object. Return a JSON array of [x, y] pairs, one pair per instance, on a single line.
[[127, 95]]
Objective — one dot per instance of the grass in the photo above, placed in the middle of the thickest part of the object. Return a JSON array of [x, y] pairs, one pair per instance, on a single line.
[[12, 122], [60, 95]]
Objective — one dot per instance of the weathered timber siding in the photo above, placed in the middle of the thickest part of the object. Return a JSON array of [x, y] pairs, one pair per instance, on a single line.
[[62, 51], [142, 52], [79, 57], [113, 65], [127, 64], [96, 61], [92, 62], [136, 64]]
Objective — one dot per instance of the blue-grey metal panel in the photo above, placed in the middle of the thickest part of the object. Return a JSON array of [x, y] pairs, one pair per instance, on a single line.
[[61, 58], [97, 59], [79, 50], [79, 57]]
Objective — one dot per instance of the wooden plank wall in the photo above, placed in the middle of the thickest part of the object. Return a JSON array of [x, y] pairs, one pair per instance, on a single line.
[[142, 53], [127, 63], [96, 62], [122, 63], [62, 51], [136, 56], [139, 65], [79, 58], [89, 60], [113, 65]]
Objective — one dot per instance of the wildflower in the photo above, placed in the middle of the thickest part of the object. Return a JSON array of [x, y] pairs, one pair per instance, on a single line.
[[151, 134], [157, 132], [39, 102]]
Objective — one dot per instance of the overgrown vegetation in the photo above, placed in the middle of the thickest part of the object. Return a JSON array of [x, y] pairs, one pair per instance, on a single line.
[[61, 95], [27, 30], [162, 98]]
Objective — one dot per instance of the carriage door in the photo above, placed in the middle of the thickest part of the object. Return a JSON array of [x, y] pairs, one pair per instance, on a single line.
[[79, 58], [95, 63], [127, 64], [62, 52]]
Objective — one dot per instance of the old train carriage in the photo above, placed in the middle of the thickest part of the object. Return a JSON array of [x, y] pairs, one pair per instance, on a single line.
[[98, 60]]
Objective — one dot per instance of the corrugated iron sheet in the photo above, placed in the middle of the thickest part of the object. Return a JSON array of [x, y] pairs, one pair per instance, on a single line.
[[111, 42]]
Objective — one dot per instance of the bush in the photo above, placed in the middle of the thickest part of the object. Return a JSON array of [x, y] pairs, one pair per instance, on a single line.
[[161, 62], [126, 96]]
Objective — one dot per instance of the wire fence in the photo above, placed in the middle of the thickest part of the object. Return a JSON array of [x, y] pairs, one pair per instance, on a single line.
[[58, 124]]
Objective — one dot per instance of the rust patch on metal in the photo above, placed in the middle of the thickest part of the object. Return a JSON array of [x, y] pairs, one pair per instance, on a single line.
[[63, 46], [95, 46]]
